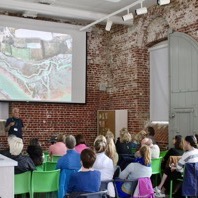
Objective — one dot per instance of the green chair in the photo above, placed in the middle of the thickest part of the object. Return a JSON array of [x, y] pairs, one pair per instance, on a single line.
[[156, 167], [49, 166], [55, 158], [22, 183], [163, 153], [44, 182], [40, 167]]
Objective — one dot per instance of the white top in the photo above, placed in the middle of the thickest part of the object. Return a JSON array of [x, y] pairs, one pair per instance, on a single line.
[[187, 157], [5, 161], [155, 151], [105, 165]]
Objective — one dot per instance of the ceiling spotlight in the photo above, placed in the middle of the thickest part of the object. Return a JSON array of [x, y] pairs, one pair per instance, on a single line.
[[128, 16], [142, 10], [108, 25], [163, 2]]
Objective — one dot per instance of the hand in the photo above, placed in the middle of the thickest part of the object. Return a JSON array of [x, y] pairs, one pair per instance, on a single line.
[[12, 123]]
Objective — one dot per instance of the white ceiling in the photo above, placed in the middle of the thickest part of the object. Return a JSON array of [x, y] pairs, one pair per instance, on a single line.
[[72, 10]]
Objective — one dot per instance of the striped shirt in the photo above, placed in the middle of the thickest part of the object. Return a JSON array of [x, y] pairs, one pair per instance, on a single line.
[[187, 157]]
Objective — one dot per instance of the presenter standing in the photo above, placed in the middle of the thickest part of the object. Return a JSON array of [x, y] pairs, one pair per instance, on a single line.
[[14, 125]]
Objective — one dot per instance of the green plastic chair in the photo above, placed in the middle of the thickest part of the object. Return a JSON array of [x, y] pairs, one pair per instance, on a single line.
[[22, 183], [44, 182], [49, 166], [55, 158], [163, 153], [40, 167], [156, 167]]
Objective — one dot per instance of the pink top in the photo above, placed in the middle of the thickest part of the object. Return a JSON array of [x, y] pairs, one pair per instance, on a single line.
[[80, 147], [59, 148]]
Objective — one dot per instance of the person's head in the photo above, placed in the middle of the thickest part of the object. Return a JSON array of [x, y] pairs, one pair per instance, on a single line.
[[80, 139], [147, 141], [88, 157], [178, 142], [100, 144], [15, 112], [70, 142], [146, 154], [109, 134], [61, 138], [125, 136], [140, 136], [15, 145], [35, 142], [151, 131], [190, 142]]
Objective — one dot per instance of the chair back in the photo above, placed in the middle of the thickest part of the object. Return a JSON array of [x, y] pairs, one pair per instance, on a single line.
[[100, 194], [65, 175], [22, 183], [163, 153], [49, 166], [190, 181], [55, 158], [156, 165], [44, 181]]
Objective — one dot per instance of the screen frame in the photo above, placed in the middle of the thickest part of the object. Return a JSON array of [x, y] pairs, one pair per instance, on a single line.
[[48, 26]]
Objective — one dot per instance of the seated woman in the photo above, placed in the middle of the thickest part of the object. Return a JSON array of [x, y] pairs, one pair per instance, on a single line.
[[35, 152], [141, 167], [87, 179], [173, 172], [80, 143], [103, 163], [24, 162], [58, 148], [111, 149], [177, 150]]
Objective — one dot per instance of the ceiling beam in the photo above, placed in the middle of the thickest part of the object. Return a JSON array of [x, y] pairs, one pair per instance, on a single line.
[[58, 12]]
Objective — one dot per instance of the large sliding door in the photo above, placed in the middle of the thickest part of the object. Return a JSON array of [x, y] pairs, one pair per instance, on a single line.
[[183, 70]]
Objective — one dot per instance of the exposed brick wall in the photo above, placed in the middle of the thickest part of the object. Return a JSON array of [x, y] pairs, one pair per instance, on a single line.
[[120, 59]]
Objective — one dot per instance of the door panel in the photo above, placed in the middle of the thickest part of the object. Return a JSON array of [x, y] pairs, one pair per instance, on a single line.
[[183, 69]]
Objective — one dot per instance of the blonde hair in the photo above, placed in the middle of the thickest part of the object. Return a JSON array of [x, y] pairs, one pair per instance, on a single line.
[[139, 136], [111, 150], [125, 136], [146, 154], [15, 145], [100, 144]]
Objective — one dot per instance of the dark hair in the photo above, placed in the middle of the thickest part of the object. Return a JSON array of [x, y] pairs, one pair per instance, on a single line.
[[88, 157], [36, 154], [80, 139], [70, 142], [151, 131], [179, 142], [191, 139], [34, 142]]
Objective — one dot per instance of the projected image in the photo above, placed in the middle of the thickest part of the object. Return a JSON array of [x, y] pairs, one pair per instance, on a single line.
[[35, 65]]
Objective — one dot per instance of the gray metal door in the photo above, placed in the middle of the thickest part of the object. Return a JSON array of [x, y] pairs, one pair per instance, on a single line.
[[183, 70]]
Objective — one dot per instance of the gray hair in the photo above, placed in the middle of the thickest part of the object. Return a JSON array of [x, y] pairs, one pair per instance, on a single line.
[[15, 144], [70, 141]]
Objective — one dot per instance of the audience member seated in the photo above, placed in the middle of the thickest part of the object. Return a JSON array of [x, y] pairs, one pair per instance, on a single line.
[[139, 137], [71, 160], [103, 163], [35, 152], [155, 150], [87, 180], [59, 147], [80, 143], [178, 150], [151, 134], [140, 168], [111, 149], [190, 156], [25, 163], [124, 144]]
